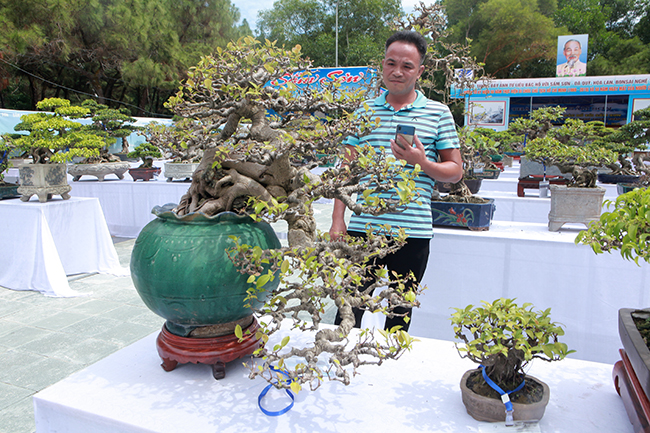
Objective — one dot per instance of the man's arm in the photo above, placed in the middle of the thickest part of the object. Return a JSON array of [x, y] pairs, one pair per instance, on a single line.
[[449, 169], [338, 227]]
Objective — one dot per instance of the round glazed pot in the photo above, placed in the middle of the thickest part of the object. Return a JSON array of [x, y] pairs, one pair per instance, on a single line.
[[182, 272], [483, 408]]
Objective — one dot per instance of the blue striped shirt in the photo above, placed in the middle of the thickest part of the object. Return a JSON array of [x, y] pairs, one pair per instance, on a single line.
[[435, 127]]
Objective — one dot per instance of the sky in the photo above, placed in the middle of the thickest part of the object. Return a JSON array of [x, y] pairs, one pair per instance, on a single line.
[[249, 8]]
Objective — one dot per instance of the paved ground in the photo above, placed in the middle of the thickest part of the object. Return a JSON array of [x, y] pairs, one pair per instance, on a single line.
[[43, 340]]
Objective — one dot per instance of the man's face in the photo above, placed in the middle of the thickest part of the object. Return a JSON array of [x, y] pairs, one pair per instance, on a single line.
[[401, 68], [572, 51]]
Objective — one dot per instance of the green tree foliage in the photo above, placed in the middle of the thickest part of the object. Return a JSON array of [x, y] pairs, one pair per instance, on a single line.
[[514, 38], [134, 51], [363, 28], [618, 30]]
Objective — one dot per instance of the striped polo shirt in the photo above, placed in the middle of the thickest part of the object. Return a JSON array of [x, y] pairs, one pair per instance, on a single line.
[[435, 127]]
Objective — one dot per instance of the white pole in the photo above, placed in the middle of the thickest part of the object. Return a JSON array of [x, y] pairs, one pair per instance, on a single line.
[[336, 49]]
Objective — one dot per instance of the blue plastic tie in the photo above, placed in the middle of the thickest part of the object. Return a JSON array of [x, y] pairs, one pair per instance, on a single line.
[[505, 396], [268, 388]]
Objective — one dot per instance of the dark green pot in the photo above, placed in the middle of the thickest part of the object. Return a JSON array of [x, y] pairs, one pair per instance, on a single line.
[[180, 268]]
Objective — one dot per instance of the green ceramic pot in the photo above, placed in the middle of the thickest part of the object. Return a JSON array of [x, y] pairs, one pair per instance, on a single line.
[[180, 268]]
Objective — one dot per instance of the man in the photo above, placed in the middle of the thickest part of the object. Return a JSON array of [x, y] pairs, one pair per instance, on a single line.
[[573, 67], [435, 140]]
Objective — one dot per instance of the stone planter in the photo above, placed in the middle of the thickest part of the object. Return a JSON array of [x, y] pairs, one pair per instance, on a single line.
[[527, 168], [474, 216], [144, 173], [43, 180], [180, 170], [493, 410], [574, 205], [100, 171]]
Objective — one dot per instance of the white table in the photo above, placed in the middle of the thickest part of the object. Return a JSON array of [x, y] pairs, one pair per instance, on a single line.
[[44, 242], [527, 262], [129, 392], [127, 204]]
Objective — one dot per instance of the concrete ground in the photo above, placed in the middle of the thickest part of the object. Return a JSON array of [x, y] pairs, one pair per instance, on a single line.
[[44, 340]]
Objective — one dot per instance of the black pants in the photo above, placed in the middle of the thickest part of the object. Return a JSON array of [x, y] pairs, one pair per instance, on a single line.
[[412, 257]]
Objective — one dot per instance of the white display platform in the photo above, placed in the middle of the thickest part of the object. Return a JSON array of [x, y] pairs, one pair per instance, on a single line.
[[129, 392], [44, 242], [127, 204], [526, 261]]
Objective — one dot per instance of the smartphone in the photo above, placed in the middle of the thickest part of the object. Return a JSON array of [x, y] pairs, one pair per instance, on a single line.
[[405, 131]]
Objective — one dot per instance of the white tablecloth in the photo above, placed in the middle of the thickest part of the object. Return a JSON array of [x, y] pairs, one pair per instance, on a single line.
[[44, 242], [129, 392]]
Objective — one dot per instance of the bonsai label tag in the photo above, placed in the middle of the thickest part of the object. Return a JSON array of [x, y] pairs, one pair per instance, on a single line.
[[500, 427]]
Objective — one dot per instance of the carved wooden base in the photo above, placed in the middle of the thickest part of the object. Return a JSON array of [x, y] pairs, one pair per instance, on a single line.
[[634, 399], [532, 182], [214, 351]]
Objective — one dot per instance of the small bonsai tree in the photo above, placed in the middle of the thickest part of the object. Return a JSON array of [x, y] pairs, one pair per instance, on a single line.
[[177, 142], [55, 136], [111, 124], [504, 337], [627, 139], [5, 162], [626, 228], [146, 152], [573, 147]]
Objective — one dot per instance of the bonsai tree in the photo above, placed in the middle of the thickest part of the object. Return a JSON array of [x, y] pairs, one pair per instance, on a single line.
[[177, 142], [572, 147], [5, 163], [504, 337], [55, 136], [259, 164], [146, 152], [626, 140], [626, 228], [111, 124]]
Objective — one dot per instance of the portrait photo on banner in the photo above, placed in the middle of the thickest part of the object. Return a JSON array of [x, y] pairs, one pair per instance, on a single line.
[[572, 55]]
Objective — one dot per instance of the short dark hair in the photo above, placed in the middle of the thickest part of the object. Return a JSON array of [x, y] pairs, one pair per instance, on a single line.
[[412, 38]]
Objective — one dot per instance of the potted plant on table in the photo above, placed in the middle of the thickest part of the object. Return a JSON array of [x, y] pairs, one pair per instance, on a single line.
[[182, 148], [110, 124], [626, 228], [503, 338], [146, 152], [575, 150], [630, 144], [460, 207], [54, 138], [7, 190]]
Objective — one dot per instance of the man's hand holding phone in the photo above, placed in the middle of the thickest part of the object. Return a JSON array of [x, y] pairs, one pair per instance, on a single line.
[[407, 133]]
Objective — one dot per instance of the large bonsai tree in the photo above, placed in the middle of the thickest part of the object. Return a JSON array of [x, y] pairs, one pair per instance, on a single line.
[[258, 163]]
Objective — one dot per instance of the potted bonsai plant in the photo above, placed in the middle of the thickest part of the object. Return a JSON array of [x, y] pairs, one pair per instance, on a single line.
[[503, 337], [254, 171], [574, 149], [7, 190], [183, 149], [626, 229], [110, 124], [54, 138], [146, 152], [630, 144], [460, 207]]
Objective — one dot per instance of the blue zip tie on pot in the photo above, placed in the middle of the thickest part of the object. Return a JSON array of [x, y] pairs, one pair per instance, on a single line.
[[505, 397], [268, 388]]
